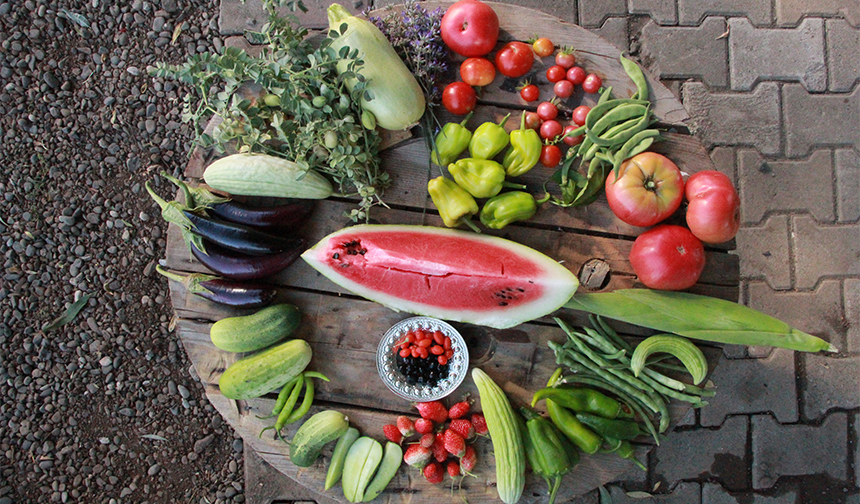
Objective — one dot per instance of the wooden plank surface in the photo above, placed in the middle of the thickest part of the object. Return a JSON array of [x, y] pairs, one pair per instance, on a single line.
[[344, 330]]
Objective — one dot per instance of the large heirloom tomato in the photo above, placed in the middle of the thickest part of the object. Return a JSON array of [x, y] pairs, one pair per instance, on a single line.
[[470, 28], [668, 257], [649, 189], [515, 59], [713, 210]]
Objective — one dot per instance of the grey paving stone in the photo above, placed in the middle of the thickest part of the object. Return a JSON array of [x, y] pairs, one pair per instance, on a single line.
[[713, 493], [812, 449], [687, 52], [614, 30], [753, 386], [843, 58], [789, 12], [237, 16], [829, 382], [691, 12], [725, 118], [851, 297], [592, 13], [813, 120], [725, 162], [824, 250], [855, 422], [817, 312], [775, 185], [758, 54], [704, 453], [764, 250], [683, 493], [847, 184], [660, 11]]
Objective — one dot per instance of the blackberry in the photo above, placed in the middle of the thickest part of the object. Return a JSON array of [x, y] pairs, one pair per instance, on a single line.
[[418, 371]]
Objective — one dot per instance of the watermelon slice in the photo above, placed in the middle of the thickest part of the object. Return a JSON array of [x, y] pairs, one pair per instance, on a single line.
[[444, 273]]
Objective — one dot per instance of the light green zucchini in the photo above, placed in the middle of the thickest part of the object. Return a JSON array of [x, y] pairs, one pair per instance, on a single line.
[[253, 332], [265, 175]]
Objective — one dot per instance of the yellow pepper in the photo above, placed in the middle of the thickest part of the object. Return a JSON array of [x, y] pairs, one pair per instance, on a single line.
[[455, 205]]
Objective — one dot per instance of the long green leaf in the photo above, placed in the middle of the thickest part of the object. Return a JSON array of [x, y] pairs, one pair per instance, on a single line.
[[699, 317], [69, 315]]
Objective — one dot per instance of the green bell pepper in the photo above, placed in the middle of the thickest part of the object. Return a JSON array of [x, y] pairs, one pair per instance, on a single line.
[[508, 207], [451, 141], [455, 205], [483, 178], [524, 152], [488, 140]]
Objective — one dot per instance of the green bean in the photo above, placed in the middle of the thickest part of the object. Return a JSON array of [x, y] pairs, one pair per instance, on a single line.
[[306, 402], [591, 152], [621, 155], [641, 147], [660, 388], [637, 76], [600, 340], [605, 95], [618, 128], [609, 332], [597, 112], [628, 133], [616, 115]]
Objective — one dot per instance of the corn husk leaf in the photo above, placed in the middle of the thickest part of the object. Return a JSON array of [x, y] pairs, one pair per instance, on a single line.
[[698, 317]]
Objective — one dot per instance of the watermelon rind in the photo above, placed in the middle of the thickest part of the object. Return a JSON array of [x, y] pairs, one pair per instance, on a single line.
[[557, 282]]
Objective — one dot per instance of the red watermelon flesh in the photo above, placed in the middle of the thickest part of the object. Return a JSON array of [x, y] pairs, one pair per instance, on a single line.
[[448, 274]]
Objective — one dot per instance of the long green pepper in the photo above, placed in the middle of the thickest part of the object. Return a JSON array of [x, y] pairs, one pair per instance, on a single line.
[[545, 450]]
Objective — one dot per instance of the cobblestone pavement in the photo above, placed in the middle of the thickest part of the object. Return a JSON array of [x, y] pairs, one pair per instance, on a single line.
[[771, 87]]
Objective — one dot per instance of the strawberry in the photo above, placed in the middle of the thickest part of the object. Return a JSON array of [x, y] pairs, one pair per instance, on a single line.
[[463, 427], [459, 410], [480, 424], [427, 440], [392, 433], [424, 426], [453, 468], [432, 410], [468, 460], [417, 456], [404, 423], [454, 443], [438, 448], [433, 472]]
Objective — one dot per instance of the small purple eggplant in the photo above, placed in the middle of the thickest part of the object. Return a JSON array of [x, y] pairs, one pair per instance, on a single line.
[[286, 217], [238, 266], [237, 237], [226, 292]]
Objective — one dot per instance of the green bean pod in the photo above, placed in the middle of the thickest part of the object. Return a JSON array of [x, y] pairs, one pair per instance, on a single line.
[[637, 76], [622, 154], [596, 113], [622, 136], [616, 115]]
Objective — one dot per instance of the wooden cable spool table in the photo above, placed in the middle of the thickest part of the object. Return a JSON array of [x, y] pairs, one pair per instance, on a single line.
[[344, 330]]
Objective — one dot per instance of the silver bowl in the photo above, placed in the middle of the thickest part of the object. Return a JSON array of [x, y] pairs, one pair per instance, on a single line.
[[458, 364]]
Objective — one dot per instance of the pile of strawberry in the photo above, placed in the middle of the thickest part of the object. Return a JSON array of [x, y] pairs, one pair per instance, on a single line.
[[444, 442]]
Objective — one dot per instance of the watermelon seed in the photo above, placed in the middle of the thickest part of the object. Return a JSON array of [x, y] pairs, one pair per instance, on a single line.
[[336, 256]]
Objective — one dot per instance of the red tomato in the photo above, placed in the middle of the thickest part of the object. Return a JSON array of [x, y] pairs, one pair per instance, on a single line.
[[550, 129], [649, 189], [576, 75], [713, 209], [579, 114], [668, 257], [572, 140], [543, 47], [547, 110], [459, 98], [530, 93], [563, 88], [550, 155], [565, 58], [470, 28], [592, 83], [477, 71], [514, 59], [555, 73], [532, 120]]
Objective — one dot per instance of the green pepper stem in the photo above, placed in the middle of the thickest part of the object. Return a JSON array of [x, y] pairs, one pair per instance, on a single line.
[[511, 185], [471, 224]]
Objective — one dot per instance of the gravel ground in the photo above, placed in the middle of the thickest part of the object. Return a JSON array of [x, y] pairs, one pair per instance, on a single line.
[[106, 408]]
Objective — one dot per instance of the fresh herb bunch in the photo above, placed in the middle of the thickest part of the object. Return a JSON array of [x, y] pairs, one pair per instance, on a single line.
[[289, 101]]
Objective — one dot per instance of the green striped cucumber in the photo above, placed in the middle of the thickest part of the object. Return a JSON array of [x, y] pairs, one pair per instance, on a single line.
[[265, 175], [314, 434], [265, 371], [253, 332]]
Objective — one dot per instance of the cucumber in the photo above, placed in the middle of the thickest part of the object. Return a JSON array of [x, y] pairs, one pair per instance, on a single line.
[[265, 175], [362, 459], [265, 371], [316, 432], [391, 460], [335, 467], [256, 331]]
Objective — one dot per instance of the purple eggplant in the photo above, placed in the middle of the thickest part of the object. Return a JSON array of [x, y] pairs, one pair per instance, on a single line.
[[285, 217], [236, 266], [237, 237], [222, 291]]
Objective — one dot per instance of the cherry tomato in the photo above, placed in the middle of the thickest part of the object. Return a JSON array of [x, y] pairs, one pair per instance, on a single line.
[[563, 88], [550, 156], [572, 140], [713, 209], [550, 129], [547, 110], [477, 71], [470, 28], [649, 189], [668, 257], [576, 75], [532, 120], [555, 73], [565, 58], [514, 59], [579, 114], [459, 98], [543, 47], [592, 83], [530, 93]]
